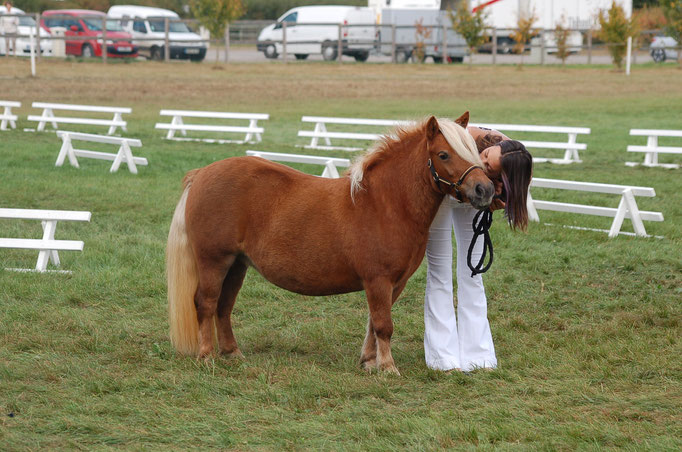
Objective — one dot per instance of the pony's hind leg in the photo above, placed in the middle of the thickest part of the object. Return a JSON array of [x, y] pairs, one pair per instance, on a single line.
[[231, 285], [379, 297], [211, 277], [368, 357]]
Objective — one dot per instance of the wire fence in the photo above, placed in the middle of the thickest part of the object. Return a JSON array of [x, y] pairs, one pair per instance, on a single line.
[[166, 39]]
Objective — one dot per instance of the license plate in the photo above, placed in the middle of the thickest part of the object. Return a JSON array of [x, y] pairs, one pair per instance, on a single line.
[[192, 51], [125, 49]]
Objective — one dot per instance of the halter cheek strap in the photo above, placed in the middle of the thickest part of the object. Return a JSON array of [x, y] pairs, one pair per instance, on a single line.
[[452, 185]]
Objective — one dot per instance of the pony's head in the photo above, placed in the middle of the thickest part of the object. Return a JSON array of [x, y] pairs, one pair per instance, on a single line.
[[455, 166]]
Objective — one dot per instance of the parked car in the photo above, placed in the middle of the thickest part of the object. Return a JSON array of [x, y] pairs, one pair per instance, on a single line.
[[315, 29], [87, 25], [27, 24], [148, 28], [663, 48]]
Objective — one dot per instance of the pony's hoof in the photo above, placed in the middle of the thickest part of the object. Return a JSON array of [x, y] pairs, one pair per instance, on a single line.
[[370, 365], [390, 370], [234, 354]]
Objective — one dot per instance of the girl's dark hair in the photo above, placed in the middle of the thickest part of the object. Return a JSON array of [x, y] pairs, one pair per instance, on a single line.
[[517, 169]]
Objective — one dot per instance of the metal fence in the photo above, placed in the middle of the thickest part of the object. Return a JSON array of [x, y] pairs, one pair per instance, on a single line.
[[384, 43]]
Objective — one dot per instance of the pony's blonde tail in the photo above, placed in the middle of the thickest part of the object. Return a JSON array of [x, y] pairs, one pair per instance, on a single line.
[[181, 271]]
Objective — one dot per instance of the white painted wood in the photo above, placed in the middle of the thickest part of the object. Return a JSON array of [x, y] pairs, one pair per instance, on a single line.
[[124, 154], [7, 117], [40, 244], [571, 146], [652, 149], [45, 215], [590, 186], [215, 114], [48, 116], [331, 164], [178, 123], [320, 131], [48, 246], [90, 108], [627, 208]]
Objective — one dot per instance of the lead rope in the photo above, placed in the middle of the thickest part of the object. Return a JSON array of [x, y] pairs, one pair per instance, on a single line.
[[481, 226]]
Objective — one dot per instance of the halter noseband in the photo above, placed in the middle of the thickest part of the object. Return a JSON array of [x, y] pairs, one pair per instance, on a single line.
[[453, 185]]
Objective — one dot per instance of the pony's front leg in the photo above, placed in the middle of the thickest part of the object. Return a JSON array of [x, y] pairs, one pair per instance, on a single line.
[[380, 299], [368, 357]]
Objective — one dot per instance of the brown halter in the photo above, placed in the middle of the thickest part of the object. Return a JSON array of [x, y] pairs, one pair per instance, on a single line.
[[453, 185]]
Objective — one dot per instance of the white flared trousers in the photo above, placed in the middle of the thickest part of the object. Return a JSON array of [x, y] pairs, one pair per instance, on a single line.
[[461, 341]]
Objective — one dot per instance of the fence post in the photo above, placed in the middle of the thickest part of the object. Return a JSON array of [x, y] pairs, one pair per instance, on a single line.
[[32, 48], [445, 43], [104, 40], [542, 47], [38, 35], [589, 46], [393, 56], [227, 43], [340, 43], [494, 46], [166, 53], [284, 41], [628, 56]]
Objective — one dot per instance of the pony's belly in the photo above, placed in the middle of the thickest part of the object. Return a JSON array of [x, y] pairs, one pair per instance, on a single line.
[[309, 281]]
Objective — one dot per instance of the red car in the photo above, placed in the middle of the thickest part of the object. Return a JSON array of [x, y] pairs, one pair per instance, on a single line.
[[87, 26]]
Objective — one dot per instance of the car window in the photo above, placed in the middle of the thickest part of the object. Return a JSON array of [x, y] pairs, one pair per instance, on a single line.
[[290, 19], [27, 21], [68, 23], [158, 25], [138, 26], [93, 23], [54, 22]]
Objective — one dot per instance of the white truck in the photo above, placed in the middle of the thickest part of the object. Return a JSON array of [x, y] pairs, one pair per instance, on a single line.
[[573, 14], [315, 30], [402, 25]]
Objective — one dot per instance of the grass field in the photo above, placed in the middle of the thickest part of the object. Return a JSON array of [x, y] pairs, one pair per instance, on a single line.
[[587, 329]]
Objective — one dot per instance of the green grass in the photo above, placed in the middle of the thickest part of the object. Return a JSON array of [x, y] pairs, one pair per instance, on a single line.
[[587, 329]]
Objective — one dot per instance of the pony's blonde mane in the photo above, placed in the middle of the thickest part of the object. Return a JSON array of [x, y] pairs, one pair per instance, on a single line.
[[457, 137]]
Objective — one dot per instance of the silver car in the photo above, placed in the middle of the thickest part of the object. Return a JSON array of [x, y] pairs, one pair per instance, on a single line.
[[663, 48]]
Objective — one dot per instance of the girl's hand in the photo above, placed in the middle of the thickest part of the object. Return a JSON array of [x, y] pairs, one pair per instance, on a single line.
[[496, 205]]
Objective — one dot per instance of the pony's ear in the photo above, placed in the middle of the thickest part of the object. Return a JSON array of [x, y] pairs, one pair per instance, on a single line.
[[432, 128], [463, 120]]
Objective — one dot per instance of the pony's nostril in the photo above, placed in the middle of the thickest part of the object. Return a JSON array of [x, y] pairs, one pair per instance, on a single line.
[[480, 190]]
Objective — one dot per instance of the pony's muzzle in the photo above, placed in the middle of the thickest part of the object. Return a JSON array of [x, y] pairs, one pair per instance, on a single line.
[[482, 195]]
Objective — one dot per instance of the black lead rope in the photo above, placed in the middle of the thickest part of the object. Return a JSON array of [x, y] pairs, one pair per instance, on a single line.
[[481, 226]]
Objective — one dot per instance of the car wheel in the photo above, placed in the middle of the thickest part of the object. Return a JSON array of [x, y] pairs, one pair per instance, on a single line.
[[401, 56], [270, 52], [86, 51], [157, 54], [329, 51], [361, 56], [301, 56], [658, 55]]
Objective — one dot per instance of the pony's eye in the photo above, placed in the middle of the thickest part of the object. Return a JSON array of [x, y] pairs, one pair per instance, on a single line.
[[443, 155]]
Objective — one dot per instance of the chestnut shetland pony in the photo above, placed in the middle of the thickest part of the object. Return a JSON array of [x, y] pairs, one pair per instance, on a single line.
[[314, 236]]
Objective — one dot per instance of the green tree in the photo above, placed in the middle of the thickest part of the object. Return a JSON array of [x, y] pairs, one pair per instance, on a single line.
[[470, 25], [615, 31], [216, 14], [672, 10]]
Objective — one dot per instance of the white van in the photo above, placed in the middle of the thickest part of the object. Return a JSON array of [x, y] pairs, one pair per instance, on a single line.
[[315, 29], [147, 26], [26, 23]]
